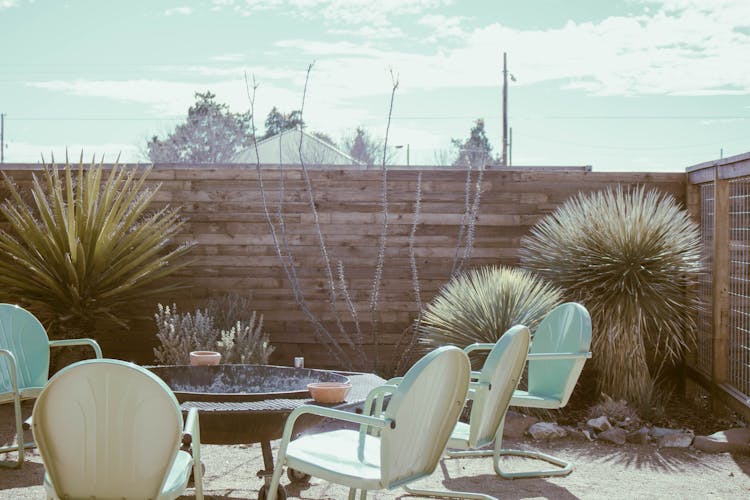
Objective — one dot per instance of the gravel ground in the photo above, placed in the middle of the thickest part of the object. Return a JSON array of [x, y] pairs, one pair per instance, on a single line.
[[602, 471]]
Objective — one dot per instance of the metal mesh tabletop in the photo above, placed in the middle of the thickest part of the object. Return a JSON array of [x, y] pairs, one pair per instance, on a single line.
[[235, 422]]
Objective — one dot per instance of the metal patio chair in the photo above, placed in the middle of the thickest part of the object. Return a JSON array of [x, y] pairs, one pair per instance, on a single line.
[[24, 365], [111, 429], [393, 447], [559, 349], [490, 392]]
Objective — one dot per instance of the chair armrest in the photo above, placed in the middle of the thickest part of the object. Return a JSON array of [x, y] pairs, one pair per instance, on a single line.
[[70, 342], [478, 347], [191, 438], [13, 369], [377, 396], [539, 356], [333, 413]]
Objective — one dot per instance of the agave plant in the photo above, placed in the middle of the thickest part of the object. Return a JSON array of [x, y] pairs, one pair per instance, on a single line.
[[480, 305], [84, 247], [632, 257]]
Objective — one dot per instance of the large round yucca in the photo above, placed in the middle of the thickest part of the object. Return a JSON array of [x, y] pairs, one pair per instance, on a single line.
[[632, 258], [480, 305]]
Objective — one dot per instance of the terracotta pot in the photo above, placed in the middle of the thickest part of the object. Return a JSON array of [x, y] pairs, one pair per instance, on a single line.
[[329, 392], [198, 358]]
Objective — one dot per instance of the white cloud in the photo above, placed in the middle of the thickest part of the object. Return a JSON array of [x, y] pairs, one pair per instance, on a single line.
[[182, 11], [443, 26], [353, 13], [7, 4], [686, 52]]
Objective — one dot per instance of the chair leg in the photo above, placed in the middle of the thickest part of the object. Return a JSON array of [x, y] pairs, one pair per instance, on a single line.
[[20, 445], [276, 477], [563, 467], [418, 492]]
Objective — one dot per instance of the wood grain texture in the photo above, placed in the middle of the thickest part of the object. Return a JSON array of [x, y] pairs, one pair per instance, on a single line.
[[235, 252]]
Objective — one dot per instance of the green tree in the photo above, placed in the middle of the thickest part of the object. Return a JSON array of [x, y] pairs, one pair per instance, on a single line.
[[277, 122], [476, 150], [366, 148], [211, 134]]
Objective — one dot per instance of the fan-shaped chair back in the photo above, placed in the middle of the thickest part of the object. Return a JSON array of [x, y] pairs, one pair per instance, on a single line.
[[424, 411], [24, 336], [566, 329], [498, 379], [107, 429]]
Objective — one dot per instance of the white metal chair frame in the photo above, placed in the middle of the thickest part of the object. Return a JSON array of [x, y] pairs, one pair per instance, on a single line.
[[18, 394]]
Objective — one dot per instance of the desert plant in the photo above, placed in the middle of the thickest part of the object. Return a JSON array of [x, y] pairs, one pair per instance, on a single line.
[[632, 257], [179, 333], [245, 343], [229, 308], [481, 304], [84, 247]]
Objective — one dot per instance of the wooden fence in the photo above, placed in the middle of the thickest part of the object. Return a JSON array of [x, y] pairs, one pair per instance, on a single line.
[[719, 196], [236, 251]]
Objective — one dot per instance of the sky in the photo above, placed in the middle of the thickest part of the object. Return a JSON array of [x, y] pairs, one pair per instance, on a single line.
[[624, 85]]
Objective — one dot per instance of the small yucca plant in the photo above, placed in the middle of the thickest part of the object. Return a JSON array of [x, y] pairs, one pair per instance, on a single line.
[[85, 247], [480, 305], [632, 259]]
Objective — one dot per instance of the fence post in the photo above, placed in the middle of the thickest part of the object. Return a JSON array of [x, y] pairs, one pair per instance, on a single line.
[[720, 288]]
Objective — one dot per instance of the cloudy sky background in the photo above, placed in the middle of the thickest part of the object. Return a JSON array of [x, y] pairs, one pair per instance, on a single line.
[[619, 85]]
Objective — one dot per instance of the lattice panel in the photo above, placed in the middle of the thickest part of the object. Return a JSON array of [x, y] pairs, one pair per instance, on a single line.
[[739, 284], [705, 318]]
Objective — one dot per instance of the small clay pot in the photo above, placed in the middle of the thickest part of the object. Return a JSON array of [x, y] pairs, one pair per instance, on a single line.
[[329, 392], [200, 358]]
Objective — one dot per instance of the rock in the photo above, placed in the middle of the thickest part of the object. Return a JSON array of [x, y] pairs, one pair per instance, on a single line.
[[614, 435], [581, 435], [546, 430], [599, 424], [658, 432], [676, 439], [638, 437], [732, 440], [516, 424]]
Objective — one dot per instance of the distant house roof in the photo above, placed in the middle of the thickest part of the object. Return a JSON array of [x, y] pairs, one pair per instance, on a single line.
[[284, 148]]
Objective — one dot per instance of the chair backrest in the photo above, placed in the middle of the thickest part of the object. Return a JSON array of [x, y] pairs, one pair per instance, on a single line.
[[424, 409], [502, 370], [23, 335], [566, 329], [107, 429]]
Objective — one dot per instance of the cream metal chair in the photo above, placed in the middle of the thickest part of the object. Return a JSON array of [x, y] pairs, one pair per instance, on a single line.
[[559, 349], [394, 447], [490, 392], [111, 429], [24, 365]]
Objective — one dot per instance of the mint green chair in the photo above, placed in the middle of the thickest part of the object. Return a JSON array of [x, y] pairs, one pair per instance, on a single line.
[[110, 429], [393, 447], [490, 392], [24, 365], [559, 349]]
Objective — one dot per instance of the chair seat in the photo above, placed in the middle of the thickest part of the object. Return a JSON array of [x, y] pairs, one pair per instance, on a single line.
[[174, 486], [178, 476], [333, 456], [459, 439], [26, 393], [523, 398]]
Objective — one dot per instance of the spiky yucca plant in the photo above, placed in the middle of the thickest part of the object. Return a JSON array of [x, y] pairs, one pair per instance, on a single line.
[[632, 257], [480, 305], [85, 246]]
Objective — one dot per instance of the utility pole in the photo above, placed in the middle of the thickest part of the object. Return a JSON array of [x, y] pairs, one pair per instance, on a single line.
[[2, 137], [504, 161], [510, 147]]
